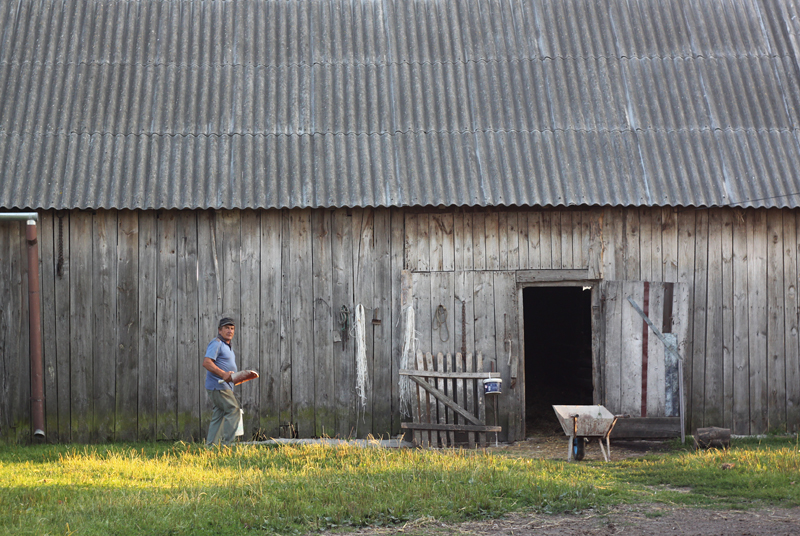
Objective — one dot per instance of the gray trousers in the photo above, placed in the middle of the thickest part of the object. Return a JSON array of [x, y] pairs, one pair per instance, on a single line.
[[225, 419]]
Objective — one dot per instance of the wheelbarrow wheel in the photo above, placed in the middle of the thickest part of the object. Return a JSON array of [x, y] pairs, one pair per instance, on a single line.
[[578, 451]]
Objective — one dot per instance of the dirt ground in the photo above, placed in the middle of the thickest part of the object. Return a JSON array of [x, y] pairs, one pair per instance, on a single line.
[[640, 520]]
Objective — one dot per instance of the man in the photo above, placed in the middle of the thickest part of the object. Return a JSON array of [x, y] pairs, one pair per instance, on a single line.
[[220, 364]]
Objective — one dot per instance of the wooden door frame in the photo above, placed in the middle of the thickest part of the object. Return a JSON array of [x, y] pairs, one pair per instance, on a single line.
[[560, 278]]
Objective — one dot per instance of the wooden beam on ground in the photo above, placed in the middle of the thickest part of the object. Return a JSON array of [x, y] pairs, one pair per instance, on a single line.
[[647, 428]]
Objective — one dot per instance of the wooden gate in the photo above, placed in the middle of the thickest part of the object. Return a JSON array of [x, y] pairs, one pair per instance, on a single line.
[[448, 404]]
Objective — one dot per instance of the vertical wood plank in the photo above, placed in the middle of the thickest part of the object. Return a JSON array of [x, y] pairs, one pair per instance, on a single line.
[[441, 242], [792, 314], [468, 242], [324, 386], [712, 373], [424, 242], [566, 239], [492, 226], [741, 337], [631, 358], [598, 338], [463, 312], [611, 230], [469, 396], [190, 371], [81, 314], [61, 239], [580, 238], [301, 292], [612, 304], [229, 240], [209, 298], [682, 324], [15, 397], [480, 399], [632, 262], [166, 327], [127, 317], [523, 240], [656, 366], [423, 310], [458, 241], [507, 345], [776, 359], [285, 402], [248, 332], [270, 327], [656, 246], [364, 266], [411, 253], [416, 401], [47, 274], [555, 240], [513, 241], [452, 394], [379, 320], [686, 264], [446, 223], [104, 307], [757, 304], [23, 389], [436, 237], [546, 239], [479, 241], [727, 317], [534, 240], [700, 316], [396, 249], [669, 244], [343, 351], [646, 246], [440, 385], [424, 403], [502, 240], [483, 303]]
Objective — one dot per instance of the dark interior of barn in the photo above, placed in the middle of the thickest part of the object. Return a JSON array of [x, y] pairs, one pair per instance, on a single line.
[[558, 353]]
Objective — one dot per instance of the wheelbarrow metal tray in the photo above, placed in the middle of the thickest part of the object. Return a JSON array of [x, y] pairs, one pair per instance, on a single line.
[[593, 421]]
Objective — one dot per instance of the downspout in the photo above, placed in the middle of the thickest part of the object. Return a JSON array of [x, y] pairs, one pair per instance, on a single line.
[[34, 319]]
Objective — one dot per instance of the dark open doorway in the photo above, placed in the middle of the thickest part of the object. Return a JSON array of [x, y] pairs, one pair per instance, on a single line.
[[558, 353]]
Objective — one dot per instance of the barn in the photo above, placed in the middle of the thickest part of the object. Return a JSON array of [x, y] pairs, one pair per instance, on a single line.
[[525, 176]]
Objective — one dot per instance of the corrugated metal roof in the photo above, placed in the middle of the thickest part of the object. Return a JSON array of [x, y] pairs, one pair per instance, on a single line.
[[308, 103]]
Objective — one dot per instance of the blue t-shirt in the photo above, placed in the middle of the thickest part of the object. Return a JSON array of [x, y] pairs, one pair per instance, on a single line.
[[220, 352]]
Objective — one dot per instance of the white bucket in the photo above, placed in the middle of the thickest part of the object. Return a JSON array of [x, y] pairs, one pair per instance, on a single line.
[[491, 386], [240, 428]]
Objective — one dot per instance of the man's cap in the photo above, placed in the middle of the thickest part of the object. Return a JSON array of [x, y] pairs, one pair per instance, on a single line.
[[226, 322]]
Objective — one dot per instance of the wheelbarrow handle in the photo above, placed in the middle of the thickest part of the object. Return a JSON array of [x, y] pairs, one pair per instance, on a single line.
[[614, 422]]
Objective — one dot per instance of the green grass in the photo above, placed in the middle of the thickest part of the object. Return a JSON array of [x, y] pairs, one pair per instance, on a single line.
[[188, 489]]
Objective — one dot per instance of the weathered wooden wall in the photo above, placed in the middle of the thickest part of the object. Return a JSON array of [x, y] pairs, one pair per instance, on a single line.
[[742, 361], [129, 310], [131, 298]]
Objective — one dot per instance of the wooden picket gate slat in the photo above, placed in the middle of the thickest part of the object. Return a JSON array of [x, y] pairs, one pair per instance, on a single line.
[[448, 398]]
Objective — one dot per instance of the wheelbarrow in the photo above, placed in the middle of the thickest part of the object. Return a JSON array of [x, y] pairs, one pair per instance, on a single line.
[[582, 423]]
